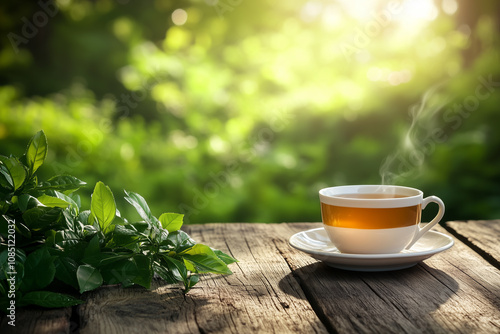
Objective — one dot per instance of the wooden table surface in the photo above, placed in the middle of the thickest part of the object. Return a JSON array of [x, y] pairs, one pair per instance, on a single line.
[[278, 289]]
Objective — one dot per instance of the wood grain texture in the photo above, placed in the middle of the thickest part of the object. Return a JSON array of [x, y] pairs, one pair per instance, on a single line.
[[39, 321], [453, 292], [278, 289], [482, 235], [261, 296]]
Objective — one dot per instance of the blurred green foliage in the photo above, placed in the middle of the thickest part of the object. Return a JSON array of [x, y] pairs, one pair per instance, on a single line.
[[245, 110]]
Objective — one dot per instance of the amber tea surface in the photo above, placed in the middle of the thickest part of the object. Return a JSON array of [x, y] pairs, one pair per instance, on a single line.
[[370, 218], [371, 196]]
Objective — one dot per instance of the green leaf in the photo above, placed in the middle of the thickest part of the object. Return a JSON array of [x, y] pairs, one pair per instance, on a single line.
[[102, 259], [30, 184], [141, 206], [16, 171], [42, 218], [141, 227], [205, 260], [70, 243], [190, 266], [133, 270], [140, 267], [165, 274], [3, 294], [124, 237], [176, 268], [158, 235], [76, 199], [102, 205], [89, 278], [74, 206], [83, 217], [26, 201], [66, 268], [227, 259], [39, 270], [176, 271], [179, 241], [23, 230], [193, 279], [49, 299], [7, 269], [52, 202], [4, 207], [92, 251], [89, 230], [62, 183], [96, 257], [36, 151], [171, 221], [5, 178], [109, 258]]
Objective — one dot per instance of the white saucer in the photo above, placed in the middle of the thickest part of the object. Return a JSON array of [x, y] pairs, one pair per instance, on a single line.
[[316, 243]]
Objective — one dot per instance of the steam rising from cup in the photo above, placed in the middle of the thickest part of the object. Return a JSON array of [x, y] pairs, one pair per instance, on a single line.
[[419, 141]]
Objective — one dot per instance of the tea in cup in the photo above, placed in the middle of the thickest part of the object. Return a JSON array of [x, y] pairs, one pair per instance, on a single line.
[[375, 219]]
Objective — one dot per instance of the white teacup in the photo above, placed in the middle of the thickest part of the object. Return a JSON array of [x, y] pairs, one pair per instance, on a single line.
[[375, 219]]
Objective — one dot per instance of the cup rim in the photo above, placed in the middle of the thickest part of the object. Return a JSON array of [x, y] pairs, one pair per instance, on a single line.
[[330, 195]]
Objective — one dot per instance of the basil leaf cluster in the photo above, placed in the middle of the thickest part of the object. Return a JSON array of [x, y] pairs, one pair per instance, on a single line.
[[52, 250]]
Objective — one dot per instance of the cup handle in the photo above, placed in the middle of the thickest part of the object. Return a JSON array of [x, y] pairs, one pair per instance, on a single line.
[[427, 227]]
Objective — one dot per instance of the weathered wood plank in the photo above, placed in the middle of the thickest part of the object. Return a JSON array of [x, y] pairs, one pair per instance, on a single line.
[[39, 321], [113, 309], [482, 235], [261, 296], [452, 292], [276, 288]]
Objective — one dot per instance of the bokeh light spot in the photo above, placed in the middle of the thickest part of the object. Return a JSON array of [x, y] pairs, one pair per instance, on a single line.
[[179, 17], [127, 151], [449, 6]]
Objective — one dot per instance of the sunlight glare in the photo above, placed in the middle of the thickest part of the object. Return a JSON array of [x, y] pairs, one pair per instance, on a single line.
[[359, 9], [311, 10], [419, 10], [331, 17]]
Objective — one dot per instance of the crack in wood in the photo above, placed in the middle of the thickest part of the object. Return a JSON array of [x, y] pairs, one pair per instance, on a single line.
[[74, 320], [470, 242]]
